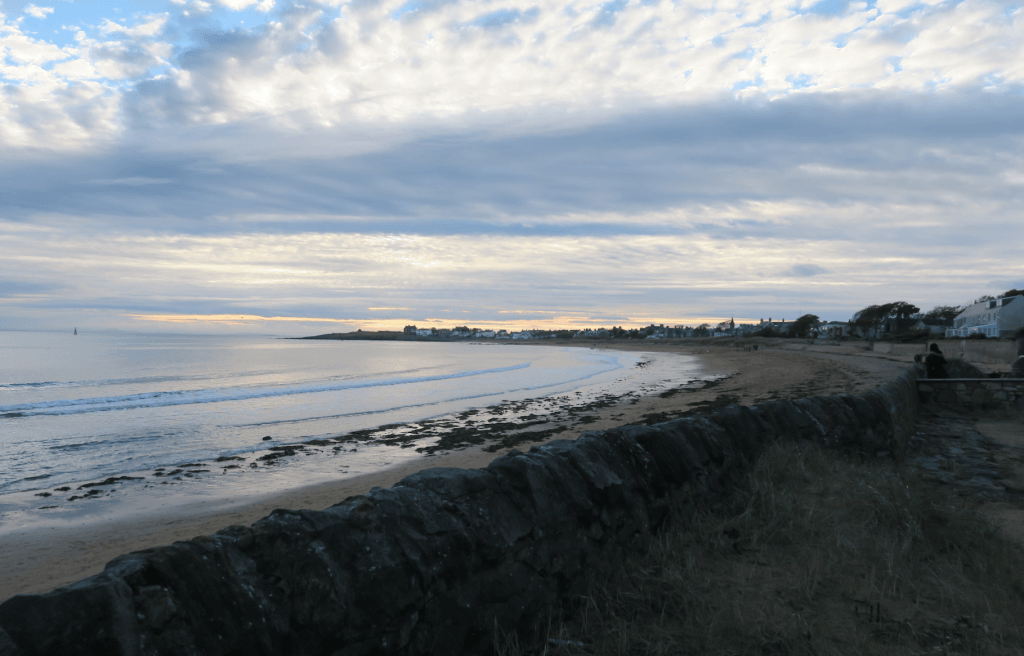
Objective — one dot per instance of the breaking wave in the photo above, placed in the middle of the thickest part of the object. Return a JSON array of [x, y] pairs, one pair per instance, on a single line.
[[216, 395]]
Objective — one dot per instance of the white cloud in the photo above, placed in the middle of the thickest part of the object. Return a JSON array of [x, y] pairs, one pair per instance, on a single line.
[[450, 59], [152, 25], [38, 12], [236, 5], [374, 63]]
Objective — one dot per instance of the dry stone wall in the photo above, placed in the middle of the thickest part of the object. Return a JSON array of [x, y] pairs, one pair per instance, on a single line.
[[973, 393], [434, 564], [977, 351]]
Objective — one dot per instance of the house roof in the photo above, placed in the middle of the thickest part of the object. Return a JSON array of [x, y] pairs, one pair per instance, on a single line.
[[983, 307]]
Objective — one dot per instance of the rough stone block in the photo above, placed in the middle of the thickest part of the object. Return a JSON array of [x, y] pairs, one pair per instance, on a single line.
[[7, 646], [91, 617]]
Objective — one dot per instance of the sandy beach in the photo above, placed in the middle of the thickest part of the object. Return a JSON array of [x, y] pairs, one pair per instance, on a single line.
[[34, 561]]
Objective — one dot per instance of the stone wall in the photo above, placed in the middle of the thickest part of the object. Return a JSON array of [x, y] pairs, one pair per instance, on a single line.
[[434, 564], [981, 351], [973, 393], [976, 351]]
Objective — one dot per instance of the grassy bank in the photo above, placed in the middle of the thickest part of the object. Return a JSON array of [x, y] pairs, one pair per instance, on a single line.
[[813, 554]]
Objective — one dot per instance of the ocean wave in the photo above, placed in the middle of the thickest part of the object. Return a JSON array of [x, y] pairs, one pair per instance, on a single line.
[[453, 399], [144, 380], [177, 378], [187, 397]]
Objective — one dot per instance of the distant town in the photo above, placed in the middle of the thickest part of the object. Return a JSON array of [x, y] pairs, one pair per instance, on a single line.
[[989, 317]]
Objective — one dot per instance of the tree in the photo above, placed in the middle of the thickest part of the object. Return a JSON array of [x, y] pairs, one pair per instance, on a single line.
[[942, 315], [701, 330], [723, 326], [1014, 292], [901, 310], [873, 316], [802, 326]]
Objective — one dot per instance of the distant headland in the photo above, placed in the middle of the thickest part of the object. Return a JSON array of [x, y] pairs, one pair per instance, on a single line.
[[375, 335]]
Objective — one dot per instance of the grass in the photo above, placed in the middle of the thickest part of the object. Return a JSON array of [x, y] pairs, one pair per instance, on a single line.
[[813, 554]]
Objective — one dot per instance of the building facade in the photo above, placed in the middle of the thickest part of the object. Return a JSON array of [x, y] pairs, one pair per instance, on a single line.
[[997, 317]]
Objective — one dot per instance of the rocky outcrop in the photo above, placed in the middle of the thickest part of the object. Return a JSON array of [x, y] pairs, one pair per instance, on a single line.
[[437, 563]]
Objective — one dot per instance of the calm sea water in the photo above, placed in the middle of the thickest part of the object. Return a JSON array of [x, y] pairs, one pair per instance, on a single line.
[[81, 407]]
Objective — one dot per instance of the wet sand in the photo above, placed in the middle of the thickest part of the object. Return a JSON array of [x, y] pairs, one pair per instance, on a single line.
[[38, 560]]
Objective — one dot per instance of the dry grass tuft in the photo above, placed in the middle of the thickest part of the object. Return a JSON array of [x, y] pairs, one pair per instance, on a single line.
[[815, 554]]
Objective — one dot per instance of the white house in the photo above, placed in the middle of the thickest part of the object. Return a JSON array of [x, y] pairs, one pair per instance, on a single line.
[[834, 329], [998, 317], [934, 329], [424, 332]]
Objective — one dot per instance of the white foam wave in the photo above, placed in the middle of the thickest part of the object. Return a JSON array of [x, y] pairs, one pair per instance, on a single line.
[[186, 397]]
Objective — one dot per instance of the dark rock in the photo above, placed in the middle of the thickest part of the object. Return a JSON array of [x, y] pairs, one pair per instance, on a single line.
[[94, 616], [7, 646]]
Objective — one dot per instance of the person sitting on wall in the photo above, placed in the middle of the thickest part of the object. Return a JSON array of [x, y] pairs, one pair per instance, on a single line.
[[934, 363]]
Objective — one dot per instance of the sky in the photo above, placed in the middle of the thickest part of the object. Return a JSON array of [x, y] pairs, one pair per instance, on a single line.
[[300, 168]]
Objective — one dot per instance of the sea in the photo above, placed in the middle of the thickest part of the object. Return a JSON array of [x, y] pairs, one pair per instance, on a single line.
[[83, 407]]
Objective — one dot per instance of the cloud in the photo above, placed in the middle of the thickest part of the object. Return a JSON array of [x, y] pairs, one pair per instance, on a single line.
[[234, 319], [151, 25], [136, 181], [804, 271], [800, 166], [332, 65], [390, 161], [19, 287], [37, 12]]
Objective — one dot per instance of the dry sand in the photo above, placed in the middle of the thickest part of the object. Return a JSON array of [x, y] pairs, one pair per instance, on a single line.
[[38, 561]]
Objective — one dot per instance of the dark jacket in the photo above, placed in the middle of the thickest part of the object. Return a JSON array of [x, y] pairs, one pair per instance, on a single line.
[[935, 366]]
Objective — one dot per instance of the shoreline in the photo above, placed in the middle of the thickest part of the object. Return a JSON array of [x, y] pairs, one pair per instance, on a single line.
[[38, 560]]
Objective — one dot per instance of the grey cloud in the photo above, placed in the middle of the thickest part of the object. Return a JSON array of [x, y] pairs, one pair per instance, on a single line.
[[331, 43], [837, 152], [804, 271], [135, 181], [15, 287]]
